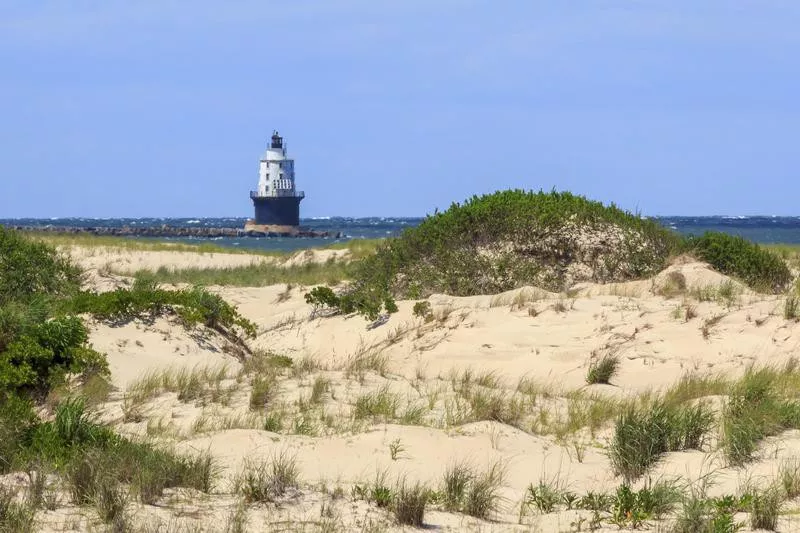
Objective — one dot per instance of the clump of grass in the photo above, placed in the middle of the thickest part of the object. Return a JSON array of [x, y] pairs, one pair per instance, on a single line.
[[644, 432], [494, 405], [110, 501], [265, 390], [15, 516], [603, 369], [699, 514], [791, 307], [674, 285], [595, 501], [755, 410], [318, 389], [789, 476], [367, 360], [409, 504], [260, 274], [457, 479], [396, 448], [692, 387], [274, 422], [483, 495], [709, 324], [268, 480], [266, 362], [765, 507], [188, 384], [380, 404]]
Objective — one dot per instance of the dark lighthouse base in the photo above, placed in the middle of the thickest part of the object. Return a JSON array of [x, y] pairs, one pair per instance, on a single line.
[[277, 211]]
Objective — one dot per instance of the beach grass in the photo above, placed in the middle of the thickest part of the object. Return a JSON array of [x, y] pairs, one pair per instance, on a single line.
[[259, 275], [150, 244], [358, 248], [788, 252]]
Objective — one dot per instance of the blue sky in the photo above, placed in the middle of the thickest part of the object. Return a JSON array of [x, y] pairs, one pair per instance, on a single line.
[[162, 108]]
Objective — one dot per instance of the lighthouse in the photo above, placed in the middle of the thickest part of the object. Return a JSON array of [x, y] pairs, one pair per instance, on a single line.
[[276, 201]]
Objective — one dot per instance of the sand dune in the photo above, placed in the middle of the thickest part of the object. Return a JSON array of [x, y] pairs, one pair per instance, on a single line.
[[527, 344]]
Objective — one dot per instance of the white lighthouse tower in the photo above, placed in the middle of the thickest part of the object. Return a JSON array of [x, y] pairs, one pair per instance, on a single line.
[[276, 201]]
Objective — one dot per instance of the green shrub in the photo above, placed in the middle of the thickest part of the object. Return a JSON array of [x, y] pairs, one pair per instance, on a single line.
[[322, 297], [631, 508], [145, 302], [17, 417], [39, 344], [544, 496], [367, 303], [29, 268], [759, 268], [42, 354], [423, 310]]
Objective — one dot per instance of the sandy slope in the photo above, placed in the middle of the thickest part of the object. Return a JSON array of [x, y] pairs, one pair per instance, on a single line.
[[552, 345]]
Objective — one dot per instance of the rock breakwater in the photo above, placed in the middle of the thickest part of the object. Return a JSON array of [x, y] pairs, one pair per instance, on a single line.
[[176, 231]]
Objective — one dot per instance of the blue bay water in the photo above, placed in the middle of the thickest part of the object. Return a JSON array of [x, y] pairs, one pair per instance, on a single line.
[[761, 229]]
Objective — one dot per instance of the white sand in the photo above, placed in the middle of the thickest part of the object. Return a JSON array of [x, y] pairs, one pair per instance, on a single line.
[[485, 334]]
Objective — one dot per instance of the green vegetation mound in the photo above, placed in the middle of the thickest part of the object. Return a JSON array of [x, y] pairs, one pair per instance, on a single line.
[[734, 256], [42, 336], [508, 239], [43, 340], [33, 269]]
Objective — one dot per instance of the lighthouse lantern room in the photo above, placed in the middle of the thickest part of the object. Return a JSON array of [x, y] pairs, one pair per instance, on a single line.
[[276, 202]]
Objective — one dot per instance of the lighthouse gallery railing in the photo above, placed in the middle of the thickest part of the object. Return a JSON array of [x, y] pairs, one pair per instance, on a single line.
[[279, 194]]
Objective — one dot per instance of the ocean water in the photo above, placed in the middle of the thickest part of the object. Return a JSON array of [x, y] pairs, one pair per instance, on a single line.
[[761, 229]]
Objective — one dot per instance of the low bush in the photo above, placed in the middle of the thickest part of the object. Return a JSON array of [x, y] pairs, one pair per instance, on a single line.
[[367, 303], [631, 508], [41, 354], [322, 297], [423, 310], [758, 267], [144, 301], [31, 269]]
